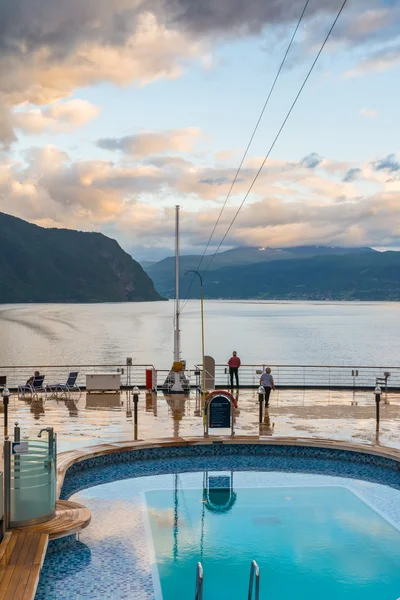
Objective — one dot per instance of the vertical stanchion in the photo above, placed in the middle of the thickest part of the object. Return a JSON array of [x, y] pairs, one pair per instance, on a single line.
[[7, 482], [135, 411], [261, 395], [378, 392], [6, 398], [17, 438]]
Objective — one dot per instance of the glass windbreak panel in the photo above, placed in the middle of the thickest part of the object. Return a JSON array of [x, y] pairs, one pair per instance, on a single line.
[[33, 483]]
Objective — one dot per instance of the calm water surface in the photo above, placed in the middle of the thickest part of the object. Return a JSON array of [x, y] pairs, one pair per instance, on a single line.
[[271, 332]]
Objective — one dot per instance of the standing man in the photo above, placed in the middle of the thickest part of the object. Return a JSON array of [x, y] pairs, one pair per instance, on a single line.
[[267, 381], [234, 364]]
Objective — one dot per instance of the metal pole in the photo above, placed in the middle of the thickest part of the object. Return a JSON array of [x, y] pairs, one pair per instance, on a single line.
[[177, 352], [51, 441], [203, 377], [206, 416], [6, 398], [177, 385], [203, 382], [135, 411], [7, 482], [261, 395], [17, 438], [17, 432], [377, 403]]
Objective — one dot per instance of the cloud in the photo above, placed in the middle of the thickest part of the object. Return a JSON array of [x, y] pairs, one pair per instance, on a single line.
[[352, 175], [55, 48], [389, 163], [291, 204], [216, 181], [368, 112], [311, 160], [7, 135], [150, 143], [57, 118], [210, 16], [50, 48], [378, 61]]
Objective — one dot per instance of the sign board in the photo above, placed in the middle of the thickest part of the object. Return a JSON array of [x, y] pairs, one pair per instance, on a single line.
[[220, 412], [20, 447]]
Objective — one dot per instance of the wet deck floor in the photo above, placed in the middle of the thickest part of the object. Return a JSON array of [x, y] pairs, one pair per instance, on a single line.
[[97, 418]]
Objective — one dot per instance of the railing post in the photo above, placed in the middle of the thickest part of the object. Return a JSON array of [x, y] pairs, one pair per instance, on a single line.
[[261, 396], [6, 399], [7, 482], [135, 410], [17, 438], [377, 403]]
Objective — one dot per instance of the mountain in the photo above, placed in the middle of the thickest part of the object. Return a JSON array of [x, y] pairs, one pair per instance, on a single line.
[[163, 272], [364, 276], [63, 265]]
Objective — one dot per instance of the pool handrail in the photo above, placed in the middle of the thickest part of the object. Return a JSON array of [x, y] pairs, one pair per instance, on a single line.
[[254, 570], [199, 582]]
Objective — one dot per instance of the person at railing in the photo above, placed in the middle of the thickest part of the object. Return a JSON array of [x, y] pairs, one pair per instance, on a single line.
[[267, 381], [31, 379], [234, 363]]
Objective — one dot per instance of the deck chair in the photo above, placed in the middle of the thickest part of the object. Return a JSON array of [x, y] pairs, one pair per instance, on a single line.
[[33, 388], [66, 388]]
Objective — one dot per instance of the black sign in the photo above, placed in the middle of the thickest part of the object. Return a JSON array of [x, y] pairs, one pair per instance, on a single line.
[[220, 412]]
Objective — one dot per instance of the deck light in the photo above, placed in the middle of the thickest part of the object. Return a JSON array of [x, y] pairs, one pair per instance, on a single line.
[[377, 393], [6, 398]]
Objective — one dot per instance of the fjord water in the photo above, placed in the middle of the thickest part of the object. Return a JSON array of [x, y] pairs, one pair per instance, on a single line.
[[344, 333], [309, 542], [276, 332]]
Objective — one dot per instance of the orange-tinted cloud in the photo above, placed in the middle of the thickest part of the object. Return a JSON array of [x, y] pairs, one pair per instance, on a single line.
[[153, 142], [57, 118]]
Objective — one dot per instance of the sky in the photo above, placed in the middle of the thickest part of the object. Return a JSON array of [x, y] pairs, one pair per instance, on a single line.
[[114, 111]]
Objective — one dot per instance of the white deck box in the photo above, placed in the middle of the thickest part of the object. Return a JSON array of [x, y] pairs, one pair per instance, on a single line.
[[104, 382]]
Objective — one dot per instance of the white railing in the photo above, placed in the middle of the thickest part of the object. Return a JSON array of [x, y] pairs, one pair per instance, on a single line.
[[285, 376], [313, 376]]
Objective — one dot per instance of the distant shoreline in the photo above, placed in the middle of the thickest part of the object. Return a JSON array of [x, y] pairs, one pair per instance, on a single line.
[[247, 300]]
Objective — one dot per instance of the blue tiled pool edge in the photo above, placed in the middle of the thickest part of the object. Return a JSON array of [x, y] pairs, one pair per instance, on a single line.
[[348, 462], [249, 449]]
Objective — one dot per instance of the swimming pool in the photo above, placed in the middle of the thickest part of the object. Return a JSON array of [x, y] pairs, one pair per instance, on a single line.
[[309, 542], [313, 535]]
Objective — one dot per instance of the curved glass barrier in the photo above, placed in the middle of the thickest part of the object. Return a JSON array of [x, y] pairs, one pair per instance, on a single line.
[[32, 481]]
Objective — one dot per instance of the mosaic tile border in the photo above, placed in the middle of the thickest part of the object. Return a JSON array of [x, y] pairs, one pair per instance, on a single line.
[[165, 459]]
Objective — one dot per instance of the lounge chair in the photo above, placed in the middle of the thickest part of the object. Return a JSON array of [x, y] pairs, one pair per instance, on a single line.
[[66, 388], [33, 388]]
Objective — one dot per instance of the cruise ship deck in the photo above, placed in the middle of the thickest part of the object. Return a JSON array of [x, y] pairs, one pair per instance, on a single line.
[[93, 418]]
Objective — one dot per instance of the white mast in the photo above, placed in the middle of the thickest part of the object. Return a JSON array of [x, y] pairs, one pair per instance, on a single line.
[[177, 387], [177, 341]]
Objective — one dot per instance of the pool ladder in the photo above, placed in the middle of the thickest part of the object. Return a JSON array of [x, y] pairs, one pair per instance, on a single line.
[[254, 574], [199, 582]]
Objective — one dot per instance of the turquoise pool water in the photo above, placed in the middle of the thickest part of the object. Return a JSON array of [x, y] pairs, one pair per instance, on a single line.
[[309, 542]]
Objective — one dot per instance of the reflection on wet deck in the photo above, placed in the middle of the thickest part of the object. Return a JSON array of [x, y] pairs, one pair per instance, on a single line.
[[92, 418]]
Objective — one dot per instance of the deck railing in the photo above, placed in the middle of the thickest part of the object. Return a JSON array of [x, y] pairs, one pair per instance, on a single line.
[[285, 376], [314, 376]]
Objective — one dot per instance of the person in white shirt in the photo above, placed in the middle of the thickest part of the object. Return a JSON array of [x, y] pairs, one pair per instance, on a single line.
[[267, 381]]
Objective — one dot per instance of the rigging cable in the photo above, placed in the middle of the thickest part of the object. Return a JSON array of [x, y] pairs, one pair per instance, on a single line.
[[279, 132], [248, 147]]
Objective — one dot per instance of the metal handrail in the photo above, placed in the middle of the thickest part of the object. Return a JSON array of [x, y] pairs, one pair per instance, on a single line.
[[254, 570], [199, 582]]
